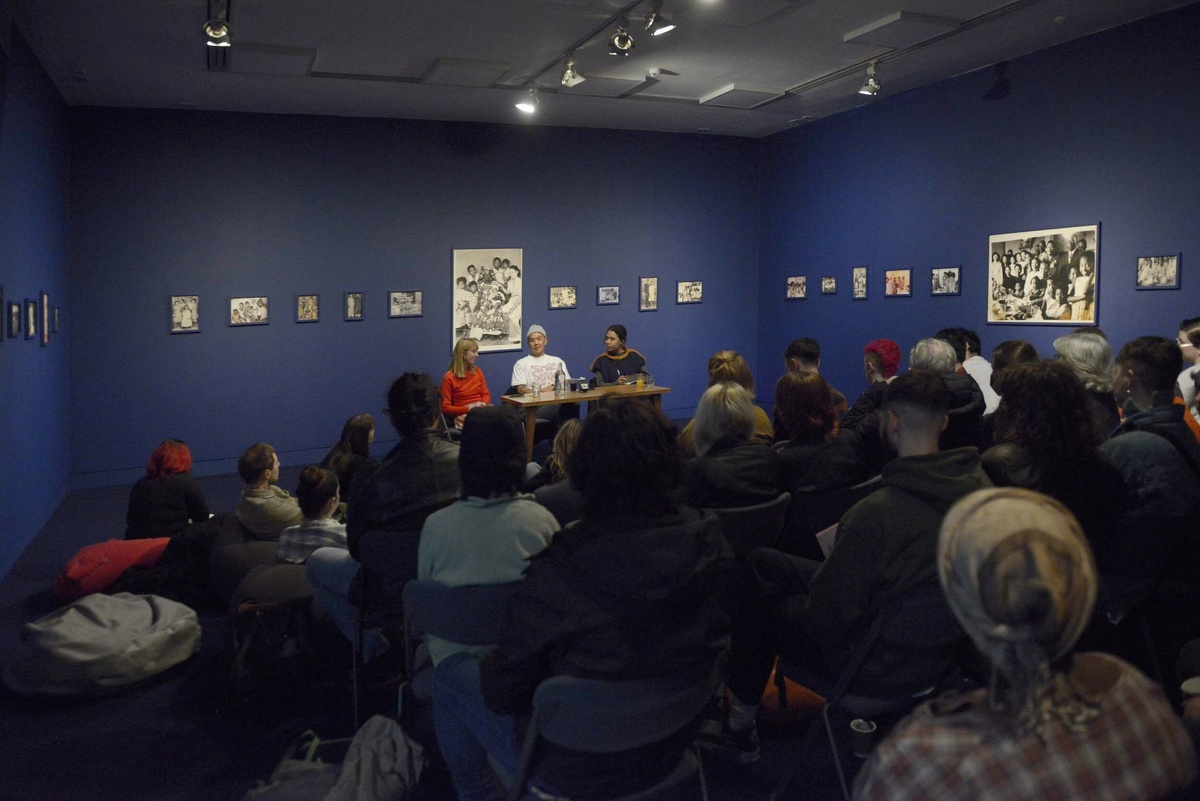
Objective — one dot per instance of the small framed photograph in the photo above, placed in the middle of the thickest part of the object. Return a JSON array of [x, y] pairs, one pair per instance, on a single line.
[[53, 320], [797, 287], [1158, 272], [858, 283], [248, 311], [608, 295], [562, 297], [185, 314], [308, 308], [44, 315], [946, 281], [897, 283], [648, 293], [828, 285], [689, 292], [14, 319], [406, 303], [30, 318], [352, 307]]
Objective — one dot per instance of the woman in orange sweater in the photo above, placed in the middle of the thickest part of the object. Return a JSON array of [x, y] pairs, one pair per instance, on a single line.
[[463, 386]]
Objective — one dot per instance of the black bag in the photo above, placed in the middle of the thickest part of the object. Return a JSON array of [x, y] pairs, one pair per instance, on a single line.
[[271, 651]]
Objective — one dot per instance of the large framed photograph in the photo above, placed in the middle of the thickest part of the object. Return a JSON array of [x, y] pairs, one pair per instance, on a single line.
[[352, 306], [14, 319], [185, 314], [897, 283], [608, 295], [248, 311], [1158, 272], [828, 285], [946, 281], [406, 303], [689, 291], [30, 318], [562, 297], [308, 308], [44, 314], [648, 293], [487, 297], [1051, 276], [859, 283], [797, 287]]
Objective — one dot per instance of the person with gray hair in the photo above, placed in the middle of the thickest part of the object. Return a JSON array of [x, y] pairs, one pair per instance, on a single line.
[[1019, 576], [731, 468], [965, 428], [1087, 352]]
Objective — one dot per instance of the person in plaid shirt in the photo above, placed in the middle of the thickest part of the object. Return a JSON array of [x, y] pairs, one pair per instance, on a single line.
[[1019, 576], [319, 495]]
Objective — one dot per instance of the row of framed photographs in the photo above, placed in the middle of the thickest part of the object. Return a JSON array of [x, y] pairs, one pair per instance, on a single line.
[[184, 310], [566, 297], [35, 319], [896, 283]]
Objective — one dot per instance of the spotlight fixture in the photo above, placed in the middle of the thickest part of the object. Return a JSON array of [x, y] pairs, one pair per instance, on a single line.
[[529, 104], [217, 31], [620, 43], [871, 86], [570, 77], [656, 23]]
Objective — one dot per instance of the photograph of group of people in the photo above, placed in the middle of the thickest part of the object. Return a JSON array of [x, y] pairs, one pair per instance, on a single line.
[[897, 283], [859, 282], [308, 308], [405, 304], [185, 313], [1158, 272], [797, 287], [945, 281], [1043, 276], [487, 297], [248, 311]]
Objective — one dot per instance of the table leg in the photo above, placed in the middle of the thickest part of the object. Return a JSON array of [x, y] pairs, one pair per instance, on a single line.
[[530, 430]]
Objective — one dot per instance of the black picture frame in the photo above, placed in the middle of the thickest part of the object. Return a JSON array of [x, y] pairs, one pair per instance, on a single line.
[[858, 282], [249, 310], [648, 293], [945, 281], [828, 284], [608, 295], [30, 324], [797, 287], [183, 314], [353, 306], [563, 297], [14, 319], [1159, 272], [308, 308], [406, 303], [689, 292], [44, 318], [897, 283]]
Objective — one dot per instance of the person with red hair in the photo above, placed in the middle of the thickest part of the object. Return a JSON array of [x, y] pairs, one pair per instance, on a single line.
[[881, 360], [167, 498]]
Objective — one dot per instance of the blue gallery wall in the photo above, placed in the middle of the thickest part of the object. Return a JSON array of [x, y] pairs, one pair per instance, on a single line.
[[224, 205], [34, 390], [1097, 130]]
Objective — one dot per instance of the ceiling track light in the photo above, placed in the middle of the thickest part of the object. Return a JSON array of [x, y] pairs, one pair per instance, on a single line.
[[656, 23], [620, 43], [217, 31], [871, 86], [529, 104], [570, 77]]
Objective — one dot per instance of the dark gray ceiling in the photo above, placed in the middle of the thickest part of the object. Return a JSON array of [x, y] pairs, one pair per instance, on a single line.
[[735, 67]]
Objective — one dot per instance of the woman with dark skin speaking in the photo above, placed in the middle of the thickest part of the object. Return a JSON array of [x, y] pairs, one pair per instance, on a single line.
[[618, 362]]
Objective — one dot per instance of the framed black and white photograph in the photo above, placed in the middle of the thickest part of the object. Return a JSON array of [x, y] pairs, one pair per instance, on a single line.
[[828, 285], [54, 314], [897, 283], [185, 314], [249, 311], [30, 318], [1051, 276], [405, 303], [1158, 272], [14, 319], [44, 315], [648, 293], [946, 281], [797, 287], [352, 306], [308, 308], [689, 291], [487, 297], [562, 297], [858, 285], [608, 295]]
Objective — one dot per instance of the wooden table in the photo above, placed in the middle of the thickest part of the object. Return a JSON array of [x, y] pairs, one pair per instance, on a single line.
[[529, 403]]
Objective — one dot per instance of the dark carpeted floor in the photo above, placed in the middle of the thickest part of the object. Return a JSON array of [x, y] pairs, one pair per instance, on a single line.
[[176, 738]]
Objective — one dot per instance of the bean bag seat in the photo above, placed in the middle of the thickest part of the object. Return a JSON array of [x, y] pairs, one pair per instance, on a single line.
[[94, 568]]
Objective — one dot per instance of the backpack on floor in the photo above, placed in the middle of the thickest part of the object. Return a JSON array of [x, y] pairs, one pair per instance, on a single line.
[[101, 643]]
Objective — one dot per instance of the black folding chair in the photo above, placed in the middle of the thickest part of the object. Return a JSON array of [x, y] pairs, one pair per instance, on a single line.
[[758, 526]]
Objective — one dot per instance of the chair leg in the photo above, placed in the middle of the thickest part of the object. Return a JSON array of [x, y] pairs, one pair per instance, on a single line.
[[355, 669], [837, 757], [700, 772]]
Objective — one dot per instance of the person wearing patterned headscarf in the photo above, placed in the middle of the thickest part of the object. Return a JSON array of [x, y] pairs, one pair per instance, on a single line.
[[1019, 576]]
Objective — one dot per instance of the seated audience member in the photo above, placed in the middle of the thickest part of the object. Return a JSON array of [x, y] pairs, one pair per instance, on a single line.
[[167, 498], [1087, 352], [488, 536], [1007, 354], [804, 356], [417, 477], [978, 368], [881, 361], [966, 398], [725, 366], [463, 385], [636, 589], [816, 614], [352, 452], [1052, 723], [558, 494], [319, 496], [618, 362], [730, 468], [818, 455], [265, 509], [1046, 442]]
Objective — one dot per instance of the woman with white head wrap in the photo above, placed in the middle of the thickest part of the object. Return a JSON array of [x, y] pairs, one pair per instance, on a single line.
[[1021, 580]]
